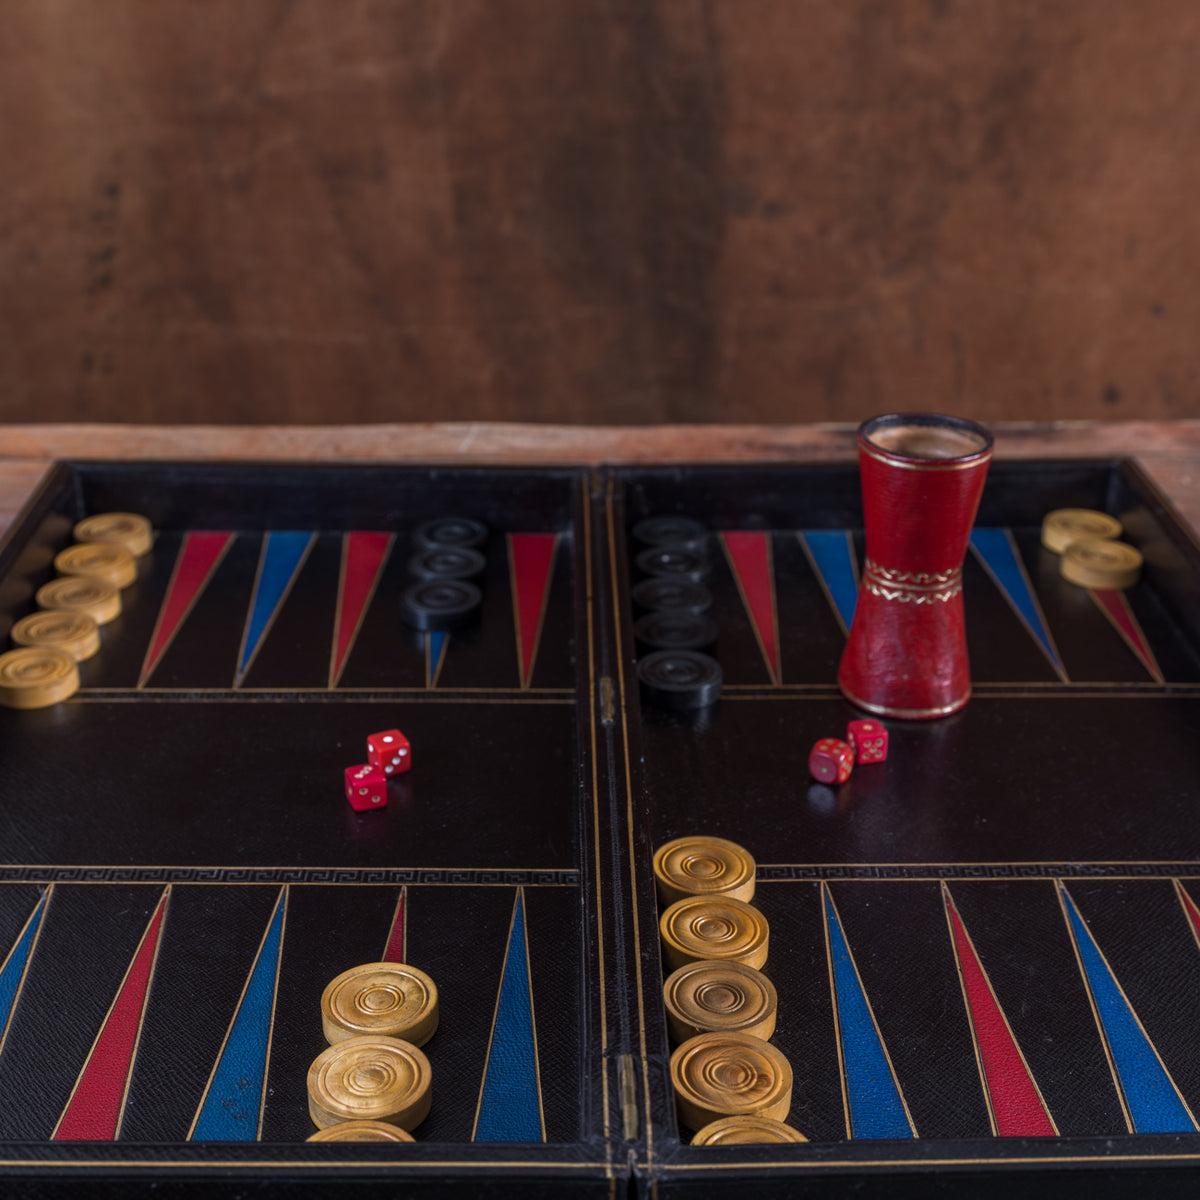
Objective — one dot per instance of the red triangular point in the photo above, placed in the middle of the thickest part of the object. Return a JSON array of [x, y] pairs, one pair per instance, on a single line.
[[363, 556], [397, 942], [198, 559], [1016, 1105], [530, 557], [1115, 607], [93, 1113], [1189, 907], [749, 554]]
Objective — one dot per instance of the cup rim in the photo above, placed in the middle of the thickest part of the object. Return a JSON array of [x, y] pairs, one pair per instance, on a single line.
[[931, 420]]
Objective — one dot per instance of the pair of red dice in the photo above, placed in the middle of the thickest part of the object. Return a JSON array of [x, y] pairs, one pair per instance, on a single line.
[[832, 760], [388, 754]]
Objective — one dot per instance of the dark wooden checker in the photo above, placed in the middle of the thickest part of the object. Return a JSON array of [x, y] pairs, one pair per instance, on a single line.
[[212, 795]]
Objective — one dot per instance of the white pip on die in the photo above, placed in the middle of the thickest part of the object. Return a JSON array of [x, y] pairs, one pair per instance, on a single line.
[[869, 740], [390, 752]]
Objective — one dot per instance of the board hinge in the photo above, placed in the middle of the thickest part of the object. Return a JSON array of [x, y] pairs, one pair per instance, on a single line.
[[627, 1088], [607, 702]]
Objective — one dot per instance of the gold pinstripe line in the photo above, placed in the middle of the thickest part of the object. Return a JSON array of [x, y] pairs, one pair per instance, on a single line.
[[603, 998], [629, 822]]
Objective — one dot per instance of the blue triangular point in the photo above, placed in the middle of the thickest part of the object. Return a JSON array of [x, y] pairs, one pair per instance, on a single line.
[[831, 552], [231, 1109], [998, 553], [12, 973], [282, 556], [1153, 1101], [872, 1093], [510, 1108], [433, 660]]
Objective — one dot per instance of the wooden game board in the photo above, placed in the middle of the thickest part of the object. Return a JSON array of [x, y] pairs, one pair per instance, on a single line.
[[181, 875]]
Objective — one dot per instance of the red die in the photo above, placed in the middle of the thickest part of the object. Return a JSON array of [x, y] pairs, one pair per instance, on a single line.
[[365, 787], [869, 740], [831, 761], [389, 751]]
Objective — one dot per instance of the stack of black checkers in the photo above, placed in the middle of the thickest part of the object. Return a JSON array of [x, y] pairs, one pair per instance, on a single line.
[[447, 561], [675, 635]]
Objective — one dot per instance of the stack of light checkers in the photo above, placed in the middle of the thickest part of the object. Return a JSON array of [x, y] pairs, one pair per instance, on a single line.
[[731, 1085], [1091, 555], [675, 635], [832, 760], [44, 670], [373, 1084], [447, 562]]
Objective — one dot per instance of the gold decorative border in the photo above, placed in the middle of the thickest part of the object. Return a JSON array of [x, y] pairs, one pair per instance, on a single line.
[[885, 710], [911, 595], [890, 575], [934, 464], [912, 587]]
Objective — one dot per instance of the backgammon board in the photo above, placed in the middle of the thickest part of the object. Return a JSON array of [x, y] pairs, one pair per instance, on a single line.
[[985, 950]]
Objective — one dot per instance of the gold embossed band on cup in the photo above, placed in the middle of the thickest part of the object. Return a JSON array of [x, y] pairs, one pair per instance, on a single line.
[[912, 587]]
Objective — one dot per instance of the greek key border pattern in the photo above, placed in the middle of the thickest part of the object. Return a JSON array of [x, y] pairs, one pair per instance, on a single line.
[[386, 876], [394, 876], [807, 873]]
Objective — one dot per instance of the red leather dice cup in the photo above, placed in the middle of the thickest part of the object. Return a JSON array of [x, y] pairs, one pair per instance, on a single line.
[[922, 476]]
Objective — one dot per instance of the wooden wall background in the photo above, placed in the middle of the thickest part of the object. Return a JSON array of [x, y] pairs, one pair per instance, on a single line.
[[598, 210]]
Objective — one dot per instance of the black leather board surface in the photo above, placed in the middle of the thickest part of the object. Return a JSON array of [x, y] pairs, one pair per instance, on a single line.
[[1070, 783], [195, 797], [190, 798]]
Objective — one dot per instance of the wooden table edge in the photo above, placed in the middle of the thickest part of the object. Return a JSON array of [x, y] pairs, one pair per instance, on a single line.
[[1169, 450]]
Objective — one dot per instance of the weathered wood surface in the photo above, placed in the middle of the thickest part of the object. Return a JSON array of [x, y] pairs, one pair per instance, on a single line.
[[604, 211], [1170, 451]]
